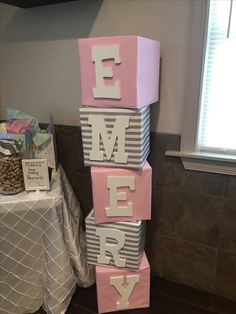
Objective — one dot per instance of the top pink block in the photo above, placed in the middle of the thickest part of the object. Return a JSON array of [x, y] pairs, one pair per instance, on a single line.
[[121, 72]]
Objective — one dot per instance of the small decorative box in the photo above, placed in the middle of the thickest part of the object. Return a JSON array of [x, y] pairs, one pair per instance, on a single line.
[[121, 194], [118, 244], [122, 290], [115, 137], [120, 72]]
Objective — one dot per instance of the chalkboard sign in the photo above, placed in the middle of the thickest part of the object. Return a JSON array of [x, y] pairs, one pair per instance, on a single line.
[[35, 173]]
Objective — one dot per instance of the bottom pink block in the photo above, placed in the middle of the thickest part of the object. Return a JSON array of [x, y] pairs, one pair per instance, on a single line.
[[119, 289]]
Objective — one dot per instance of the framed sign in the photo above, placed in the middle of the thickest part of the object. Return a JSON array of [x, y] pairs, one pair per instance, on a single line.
[[35, 173]]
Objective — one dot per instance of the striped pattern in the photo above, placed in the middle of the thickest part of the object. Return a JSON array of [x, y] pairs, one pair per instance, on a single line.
[[137, 143], [134, 241]]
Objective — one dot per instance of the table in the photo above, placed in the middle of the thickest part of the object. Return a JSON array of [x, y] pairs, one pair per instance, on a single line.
[[42, 249]]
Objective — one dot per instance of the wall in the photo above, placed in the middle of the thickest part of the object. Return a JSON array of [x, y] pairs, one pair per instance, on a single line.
[[39, 62]]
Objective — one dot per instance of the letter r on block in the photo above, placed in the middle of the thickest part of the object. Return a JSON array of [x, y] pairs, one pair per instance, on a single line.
[[119, 236]]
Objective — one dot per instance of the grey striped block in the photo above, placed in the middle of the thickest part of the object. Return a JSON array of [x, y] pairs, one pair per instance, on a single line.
[[137, 134], [134, 232]]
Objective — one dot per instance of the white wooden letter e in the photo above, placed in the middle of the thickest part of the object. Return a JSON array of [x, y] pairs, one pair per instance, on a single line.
[[114, 182], [100, 53]]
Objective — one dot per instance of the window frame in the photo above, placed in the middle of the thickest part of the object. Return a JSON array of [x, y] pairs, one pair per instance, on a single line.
[[192, 159]]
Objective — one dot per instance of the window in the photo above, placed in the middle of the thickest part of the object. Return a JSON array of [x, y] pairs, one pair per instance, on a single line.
[[208, 141], [217, 123]]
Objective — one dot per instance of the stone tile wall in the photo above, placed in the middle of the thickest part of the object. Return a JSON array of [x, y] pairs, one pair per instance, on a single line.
[[191, 238]]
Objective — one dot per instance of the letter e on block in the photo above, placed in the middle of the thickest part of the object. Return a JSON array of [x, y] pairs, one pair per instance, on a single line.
[[119, 71], [114, 182], [121, 194], [100, 53]]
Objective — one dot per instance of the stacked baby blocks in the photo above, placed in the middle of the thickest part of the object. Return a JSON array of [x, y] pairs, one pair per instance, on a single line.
[[114, 137], [119, 80], [120, 72], [121, 194], [119, 289]]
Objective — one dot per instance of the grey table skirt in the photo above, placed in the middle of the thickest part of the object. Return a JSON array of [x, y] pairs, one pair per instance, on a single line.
[[42, 249]]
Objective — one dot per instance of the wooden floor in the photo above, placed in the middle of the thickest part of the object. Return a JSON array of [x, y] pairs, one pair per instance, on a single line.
[[166, 298]]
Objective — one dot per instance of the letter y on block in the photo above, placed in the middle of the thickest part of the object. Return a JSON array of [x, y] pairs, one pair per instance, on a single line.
[[125, 292]]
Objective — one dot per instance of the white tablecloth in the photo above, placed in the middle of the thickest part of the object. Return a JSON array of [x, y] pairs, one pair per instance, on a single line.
[[42, 249]]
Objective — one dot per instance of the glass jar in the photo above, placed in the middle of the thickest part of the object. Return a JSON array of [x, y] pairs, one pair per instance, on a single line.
[[11, 175]]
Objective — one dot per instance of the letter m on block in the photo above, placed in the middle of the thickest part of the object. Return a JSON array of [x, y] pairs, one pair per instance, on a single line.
[[117, 134]]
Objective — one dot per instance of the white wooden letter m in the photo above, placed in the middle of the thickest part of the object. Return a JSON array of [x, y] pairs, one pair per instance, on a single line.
[[118, 132]]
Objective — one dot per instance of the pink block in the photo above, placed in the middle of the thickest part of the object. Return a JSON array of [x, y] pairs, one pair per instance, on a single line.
[[108, 296], [137, 71], [137, 191]]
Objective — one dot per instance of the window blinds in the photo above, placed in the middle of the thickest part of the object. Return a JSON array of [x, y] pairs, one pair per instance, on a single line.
[[217, 120]]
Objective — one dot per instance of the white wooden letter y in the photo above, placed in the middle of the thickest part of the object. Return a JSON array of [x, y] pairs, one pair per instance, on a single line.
[[118, 283]]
